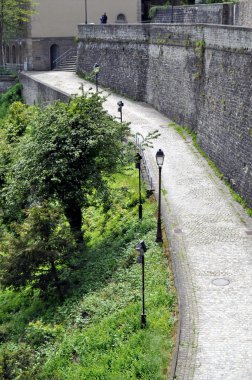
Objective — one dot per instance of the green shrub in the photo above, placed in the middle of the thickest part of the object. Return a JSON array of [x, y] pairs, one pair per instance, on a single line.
[[10, 96]]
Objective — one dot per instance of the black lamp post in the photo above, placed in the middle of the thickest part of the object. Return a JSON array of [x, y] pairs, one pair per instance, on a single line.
[[96, 71], [120, 106], [138, 166], [85, 11], [160, 161], [141, 249]]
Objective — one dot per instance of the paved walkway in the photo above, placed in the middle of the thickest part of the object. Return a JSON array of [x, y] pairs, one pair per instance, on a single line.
[[211, 239]]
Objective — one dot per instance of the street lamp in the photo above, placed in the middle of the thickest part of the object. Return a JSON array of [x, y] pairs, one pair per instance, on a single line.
[[85, 11], [141, 249], [120, 106], [96, 70], [160, 161], [138, 166]]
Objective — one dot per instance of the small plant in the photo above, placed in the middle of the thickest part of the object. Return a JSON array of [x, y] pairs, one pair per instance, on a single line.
[[200, 48]]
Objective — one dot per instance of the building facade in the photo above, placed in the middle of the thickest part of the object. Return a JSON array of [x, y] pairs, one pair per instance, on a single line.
[[53, 29]]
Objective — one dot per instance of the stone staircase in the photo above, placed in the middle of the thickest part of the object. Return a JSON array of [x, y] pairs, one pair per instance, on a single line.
[[67, 61], [68, 65]]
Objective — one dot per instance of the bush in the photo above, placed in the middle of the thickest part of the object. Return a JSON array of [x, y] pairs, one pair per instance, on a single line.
[[10, 96]]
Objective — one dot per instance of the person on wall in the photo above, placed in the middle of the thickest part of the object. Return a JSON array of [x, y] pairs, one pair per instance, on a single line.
[[104, 18]]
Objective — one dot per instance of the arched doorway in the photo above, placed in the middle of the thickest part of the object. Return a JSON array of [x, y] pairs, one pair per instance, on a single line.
[[54, 54]]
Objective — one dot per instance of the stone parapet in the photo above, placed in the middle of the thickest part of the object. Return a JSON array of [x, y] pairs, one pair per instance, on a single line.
[[221, 36]]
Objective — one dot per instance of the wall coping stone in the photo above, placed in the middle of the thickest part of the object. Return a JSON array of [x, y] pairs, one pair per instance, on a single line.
[[215, 36]]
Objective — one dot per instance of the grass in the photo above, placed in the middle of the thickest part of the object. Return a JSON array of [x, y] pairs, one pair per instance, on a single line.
[[184, 132], [95, 333]]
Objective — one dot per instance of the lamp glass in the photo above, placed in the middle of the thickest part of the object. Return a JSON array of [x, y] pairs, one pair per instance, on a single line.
[[96, 68], [160, 157]]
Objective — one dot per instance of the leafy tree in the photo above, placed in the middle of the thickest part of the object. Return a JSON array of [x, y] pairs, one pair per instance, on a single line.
[[67, 151], [41, 244], [13, 14]]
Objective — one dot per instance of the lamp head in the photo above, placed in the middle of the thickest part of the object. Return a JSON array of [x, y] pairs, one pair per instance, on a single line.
[[141, 247], [160, 158], [96, 68], [138, 160], [120, 103]]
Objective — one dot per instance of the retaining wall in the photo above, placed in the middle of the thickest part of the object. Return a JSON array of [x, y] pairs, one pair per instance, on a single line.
[[198, 75], [6, 81], [35, 92]]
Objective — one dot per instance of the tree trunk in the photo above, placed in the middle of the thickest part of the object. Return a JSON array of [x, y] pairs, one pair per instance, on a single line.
[[56, 280], [74, 216]]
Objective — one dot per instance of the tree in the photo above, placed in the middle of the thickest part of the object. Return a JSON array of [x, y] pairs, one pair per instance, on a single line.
[[67, 151], [42, 244], [14, 14]]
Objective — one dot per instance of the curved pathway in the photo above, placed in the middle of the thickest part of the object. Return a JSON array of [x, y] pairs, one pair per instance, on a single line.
[[211, 247]]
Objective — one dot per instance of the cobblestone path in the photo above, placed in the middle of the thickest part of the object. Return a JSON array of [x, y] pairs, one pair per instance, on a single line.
[[211, 247]]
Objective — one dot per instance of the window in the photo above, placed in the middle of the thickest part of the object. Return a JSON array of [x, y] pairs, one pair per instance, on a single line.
[[121, 18]]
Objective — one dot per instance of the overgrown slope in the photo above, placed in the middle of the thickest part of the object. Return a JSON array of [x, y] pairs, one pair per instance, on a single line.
[[95, 333]]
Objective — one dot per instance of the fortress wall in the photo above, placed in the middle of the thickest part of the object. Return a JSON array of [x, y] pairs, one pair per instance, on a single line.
[[225, 115], [198, 75]]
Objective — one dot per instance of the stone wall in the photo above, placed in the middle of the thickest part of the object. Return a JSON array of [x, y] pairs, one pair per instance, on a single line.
[[200, 13], [198, 75], [6, 81], [244, 13], [35, 92], [239, 14], [118, 62]]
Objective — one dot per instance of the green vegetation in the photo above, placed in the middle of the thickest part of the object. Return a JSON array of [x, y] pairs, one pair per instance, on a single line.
[[71, 307], [66, 150], [5, 71], [95, 333], [200, 48], [184, 132], [7, 98], [153, 10]]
